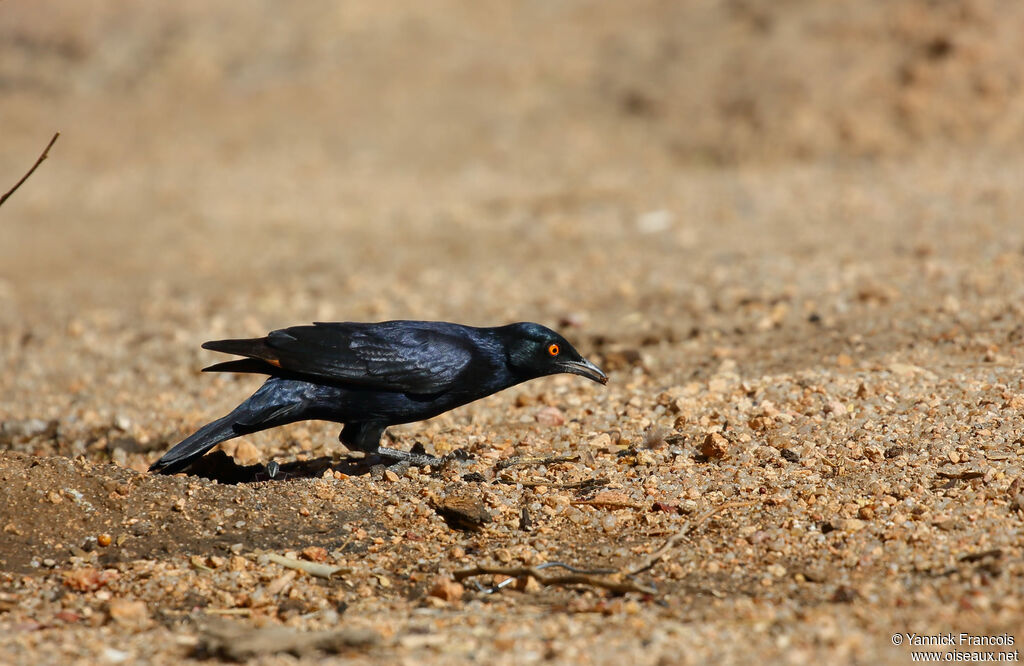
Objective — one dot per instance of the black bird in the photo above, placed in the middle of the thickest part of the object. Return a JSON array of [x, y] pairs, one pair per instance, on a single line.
[[371, 376]]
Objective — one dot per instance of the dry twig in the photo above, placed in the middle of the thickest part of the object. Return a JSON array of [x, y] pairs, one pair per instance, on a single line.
[[681, 534], [39, 161], [312, 568], [612, 581], [240, 641], [619, 582], [586, 484], [610, 499], [531, 460]]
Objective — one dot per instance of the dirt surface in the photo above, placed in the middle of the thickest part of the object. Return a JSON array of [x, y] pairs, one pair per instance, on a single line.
[[790, 232]]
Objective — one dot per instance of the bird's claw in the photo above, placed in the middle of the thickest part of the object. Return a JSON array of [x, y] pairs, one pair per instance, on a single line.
[[457, 454], [411, 458], [400, 461]]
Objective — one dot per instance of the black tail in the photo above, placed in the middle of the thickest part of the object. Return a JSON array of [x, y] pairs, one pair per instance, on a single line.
[[254, 347], [195, 445], [272, 405]]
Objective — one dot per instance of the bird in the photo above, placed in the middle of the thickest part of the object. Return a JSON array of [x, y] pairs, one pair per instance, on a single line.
[[368, 376]]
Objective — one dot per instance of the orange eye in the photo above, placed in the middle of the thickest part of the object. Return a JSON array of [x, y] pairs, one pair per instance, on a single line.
[[553, 350]]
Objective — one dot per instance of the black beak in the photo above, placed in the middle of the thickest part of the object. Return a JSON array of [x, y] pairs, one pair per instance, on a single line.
[[585, 368]]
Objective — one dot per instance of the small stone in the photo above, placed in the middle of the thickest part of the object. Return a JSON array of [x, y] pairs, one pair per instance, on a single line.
[[1015, 494], [88, 579], [68, 616], [835, 408], [645, 457], [714, 446], [446, 589], [850, 525], [611, 499], [391, 476], [789, 455], [280, 584], [904, 369], [128, 614], [463, 511], [550, 416], [525, 400], [844, 595], [314, 554], [103, 540], [246, 454]]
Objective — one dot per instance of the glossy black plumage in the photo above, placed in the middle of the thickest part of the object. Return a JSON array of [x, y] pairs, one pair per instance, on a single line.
[[371, 376]]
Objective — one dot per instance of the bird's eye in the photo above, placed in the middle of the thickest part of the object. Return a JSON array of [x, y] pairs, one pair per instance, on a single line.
[[553, 350]]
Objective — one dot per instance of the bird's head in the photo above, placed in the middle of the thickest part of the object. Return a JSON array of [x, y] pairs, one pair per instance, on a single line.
[[537, 351]]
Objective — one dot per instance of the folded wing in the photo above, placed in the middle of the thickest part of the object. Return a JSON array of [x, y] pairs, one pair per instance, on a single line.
[[409, 357]]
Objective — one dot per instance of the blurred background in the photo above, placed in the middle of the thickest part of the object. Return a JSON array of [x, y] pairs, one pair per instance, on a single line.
[[626, 169], [790, 230]]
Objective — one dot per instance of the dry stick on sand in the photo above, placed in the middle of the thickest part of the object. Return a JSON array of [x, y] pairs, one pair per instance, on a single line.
[[618, 581], [530, 460], [39, 161], [684, 532], [612, 582]]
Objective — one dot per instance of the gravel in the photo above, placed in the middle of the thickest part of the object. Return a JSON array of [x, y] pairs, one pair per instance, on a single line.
[[817, 327]]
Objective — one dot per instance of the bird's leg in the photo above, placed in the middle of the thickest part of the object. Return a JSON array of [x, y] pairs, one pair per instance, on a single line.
[[409, 458], [366, 437]]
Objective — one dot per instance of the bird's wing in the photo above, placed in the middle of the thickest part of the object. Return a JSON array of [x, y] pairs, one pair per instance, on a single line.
[[410, 357]]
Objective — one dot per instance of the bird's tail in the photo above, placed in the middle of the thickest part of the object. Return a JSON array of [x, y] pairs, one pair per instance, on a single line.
[[272, 405], [195, 445]]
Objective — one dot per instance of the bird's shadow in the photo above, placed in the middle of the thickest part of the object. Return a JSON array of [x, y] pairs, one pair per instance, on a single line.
[[222, 468]]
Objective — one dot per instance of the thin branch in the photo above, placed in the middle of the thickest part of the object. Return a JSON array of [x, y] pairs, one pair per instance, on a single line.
[[684, 532], [619, 582], [39, 161], [613, 582], [312, 568], [586, 484], [531, 460]]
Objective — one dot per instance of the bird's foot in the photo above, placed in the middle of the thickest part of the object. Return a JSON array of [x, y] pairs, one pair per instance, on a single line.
[[399, 461], [410, 458]]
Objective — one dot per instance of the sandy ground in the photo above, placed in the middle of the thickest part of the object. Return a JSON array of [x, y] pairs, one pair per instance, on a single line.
[[791, 232]]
